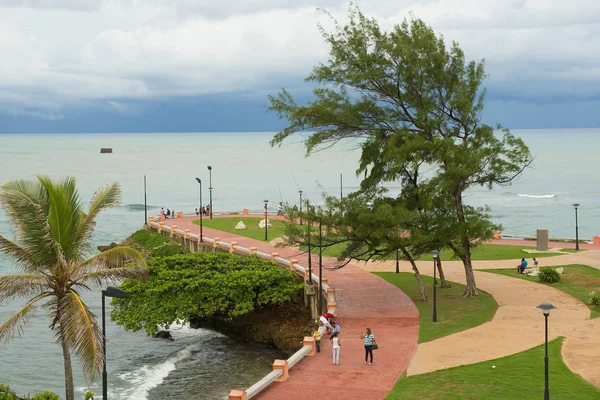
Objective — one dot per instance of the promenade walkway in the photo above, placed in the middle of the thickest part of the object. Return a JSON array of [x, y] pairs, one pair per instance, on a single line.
[[517, 325], [364, 300]]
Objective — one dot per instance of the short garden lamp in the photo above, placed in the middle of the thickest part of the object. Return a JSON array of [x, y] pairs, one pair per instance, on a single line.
[[576, 206], [546, 307], [266, 220], [435, 254], [110, 291]]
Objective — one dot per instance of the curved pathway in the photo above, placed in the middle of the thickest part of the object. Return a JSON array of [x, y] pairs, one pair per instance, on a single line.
[[516, 317], [364, 300]]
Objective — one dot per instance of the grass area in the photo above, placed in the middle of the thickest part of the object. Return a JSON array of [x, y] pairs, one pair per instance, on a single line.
[[455, 312], [577, 280], [486, 251], [572, 250], [520, 376], [252, 230]]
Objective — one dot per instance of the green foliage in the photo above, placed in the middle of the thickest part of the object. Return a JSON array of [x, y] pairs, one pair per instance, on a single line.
[[149, 240], [185, 286], [7, 394], [496, 379], [548, 275], [169, 250], [45, 396], [594, 298], [252, 230]]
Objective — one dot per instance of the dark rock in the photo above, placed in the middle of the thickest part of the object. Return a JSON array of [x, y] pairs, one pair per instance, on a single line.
[[164, 335], [110, 246]]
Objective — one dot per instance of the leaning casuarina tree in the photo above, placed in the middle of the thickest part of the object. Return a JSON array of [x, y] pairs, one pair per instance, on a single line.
[[408, 99], [52, 248]]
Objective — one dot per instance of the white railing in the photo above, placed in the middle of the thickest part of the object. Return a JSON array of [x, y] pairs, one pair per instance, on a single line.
[[280, 372]]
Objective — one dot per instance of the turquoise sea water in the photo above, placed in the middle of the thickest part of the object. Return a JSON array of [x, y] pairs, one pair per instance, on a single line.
[[201, 364]]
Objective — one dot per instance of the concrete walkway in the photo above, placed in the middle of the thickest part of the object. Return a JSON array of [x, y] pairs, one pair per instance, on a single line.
[[364, 300], [516, 317]]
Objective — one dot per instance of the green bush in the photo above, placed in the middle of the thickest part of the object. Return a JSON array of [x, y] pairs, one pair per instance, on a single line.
[[548, 275], [7, 394], [168, 250], [149, 240], [594, 298]]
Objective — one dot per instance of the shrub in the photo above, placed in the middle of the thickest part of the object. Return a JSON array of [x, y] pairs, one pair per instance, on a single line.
[[7, 394], [548, 275], [168, 250], [595, 298]]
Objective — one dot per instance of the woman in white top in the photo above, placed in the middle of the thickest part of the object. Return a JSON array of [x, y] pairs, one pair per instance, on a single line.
[[335, 340]]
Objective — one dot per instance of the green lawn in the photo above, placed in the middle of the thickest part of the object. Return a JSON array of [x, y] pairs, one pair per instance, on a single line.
[[520, 376], [252, 230], [455, 312], [577, 280]]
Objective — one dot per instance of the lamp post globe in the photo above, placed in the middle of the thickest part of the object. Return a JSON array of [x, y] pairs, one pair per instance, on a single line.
[[546, 307]]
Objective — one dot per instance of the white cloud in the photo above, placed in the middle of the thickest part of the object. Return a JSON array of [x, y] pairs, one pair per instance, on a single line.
[[58, 52]]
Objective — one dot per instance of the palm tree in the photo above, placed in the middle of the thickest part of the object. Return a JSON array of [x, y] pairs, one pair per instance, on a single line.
[[51, 246]]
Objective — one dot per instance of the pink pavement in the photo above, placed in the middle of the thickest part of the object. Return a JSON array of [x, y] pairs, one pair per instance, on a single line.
[[364, 300]]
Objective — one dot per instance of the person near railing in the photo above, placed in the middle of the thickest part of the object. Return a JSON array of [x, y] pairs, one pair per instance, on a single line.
[[336, 344], [317, 336]]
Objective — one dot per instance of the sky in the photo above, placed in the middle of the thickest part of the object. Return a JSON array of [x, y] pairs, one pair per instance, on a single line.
[[208, 66]]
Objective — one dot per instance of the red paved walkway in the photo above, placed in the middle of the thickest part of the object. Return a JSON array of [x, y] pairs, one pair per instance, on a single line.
[[364, 300]]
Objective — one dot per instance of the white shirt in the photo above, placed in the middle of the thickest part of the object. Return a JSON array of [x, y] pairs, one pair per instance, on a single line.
[[336, 342], [323, 320]]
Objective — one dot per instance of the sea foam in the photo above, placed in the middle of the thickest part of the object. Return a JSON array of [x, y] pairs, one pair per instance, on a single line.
[[536, 196]]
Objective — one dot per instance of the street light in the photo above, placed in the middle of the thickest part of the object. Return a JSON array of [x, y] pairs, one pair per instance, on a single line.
[[300, 193], [320, 266], [210, 188], [145, 204], [576, 206], [266, 220], [309, 249], [110, 291], [546, 307], [200, 239], [435, 255]]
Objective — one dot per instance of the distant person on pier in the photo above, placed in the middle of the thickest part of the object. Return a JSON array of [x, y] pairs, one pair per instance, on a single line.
[[168, 213], [162, 211], [208, 209], [197, 213], [280, 208], [203, 211]]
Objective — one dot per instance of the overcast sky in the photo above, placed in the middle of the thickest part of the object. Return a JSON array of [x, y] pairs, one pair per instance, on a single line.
[[206, 65]]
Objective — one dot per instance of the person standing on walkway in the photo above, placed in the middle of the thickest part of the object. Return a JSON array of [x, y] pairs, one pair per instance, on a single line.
[[369, 338], [335, 328], [335, 340], [317, 336]]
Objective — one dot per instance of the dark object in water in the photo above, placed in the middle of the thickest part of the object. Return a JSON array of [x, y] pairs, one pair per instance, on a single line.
[[163, 335], [106, 150]]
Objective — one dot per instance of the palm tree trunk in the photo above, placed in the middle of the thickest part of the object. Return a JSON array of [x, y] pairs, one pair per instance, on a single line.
[[70, 393]]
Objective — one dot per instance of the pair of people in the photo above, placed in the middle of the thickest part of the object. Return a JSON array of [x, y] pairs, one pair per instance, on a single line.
[[523, 265], [369, 343]]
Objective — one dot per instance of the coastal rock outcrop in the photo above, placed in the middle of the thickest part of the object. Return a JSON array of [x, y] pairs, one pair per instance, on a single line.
[[163, 335], [108, 247]]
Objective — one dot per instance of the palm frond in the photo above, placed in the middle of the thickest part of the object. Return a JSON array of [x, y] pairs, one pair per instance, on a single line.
[[14, 325], [80, 329], [21, 256], [114, 275], [115, 258], [105, 197], [22, 285], [26, 205]]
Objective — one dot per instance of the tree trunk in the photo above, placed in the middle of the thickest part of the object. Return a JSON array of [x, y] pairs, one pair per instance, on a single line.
[[70, 393], [417, 274], [471, 289], [443, 282]]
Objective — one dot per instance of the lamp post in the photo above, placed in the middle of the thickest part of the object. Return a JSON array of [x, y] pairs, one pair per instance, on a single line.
[[145, 204], [300, 193], [210, 188], [546, 307], [200, 238], [320, 266], [266, 220], [341, 187], [576, 206], [309, 249], [435, 255], [110, 291]]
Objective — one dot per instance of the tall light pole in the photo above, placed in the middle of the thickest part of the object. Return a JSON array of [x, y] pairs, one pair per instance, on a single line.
[[300, 193], [320, 266], [110, 291], [145, 204], [266, 220], [210, 188], [341, 186], [200, 238], [546, 307], [576, 206], [435, 255], [309, 249]]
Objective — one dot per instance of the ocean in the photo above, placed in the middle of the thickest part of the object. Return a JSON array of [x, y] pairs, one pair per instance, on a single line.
[[201, 364]]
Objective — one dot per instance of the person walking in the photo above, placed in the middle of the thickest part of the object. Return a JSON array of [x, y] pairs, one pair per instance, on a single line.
[[317, 336], [369, 339], [336, 344]]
